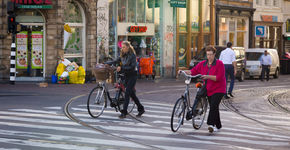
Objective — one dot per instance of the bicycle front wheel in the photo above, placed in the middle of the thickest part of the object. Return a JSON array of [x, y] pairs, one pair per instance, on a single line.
[[97, 101], [177, 114], [199, 113]]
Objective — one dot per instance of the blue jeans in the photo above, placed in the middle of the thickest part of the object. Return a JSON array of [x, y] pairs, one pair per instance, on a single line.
[[229, 69]]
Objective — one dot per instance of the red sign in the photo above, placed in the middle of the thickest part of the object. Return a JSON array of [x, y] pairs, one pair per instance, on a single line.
[[137, 29], [37, 2]]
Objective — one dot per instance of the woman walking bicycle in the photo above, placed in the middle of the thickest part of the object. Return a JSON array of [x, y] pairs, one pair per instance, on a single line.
[[127, 63], [213, 74]]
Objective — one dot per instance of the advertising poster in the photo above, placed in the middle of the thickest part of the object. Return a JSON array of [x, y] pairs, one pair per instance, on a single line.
[[36, 50], [21, 50]]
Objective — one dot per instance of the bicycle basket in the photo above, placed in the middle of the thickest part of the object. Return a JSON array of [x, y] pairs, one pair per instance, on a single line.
[[101, 73]]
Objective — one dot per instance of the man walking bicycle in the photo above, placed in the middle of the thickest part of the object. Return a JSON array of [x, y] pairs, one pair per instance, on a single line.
[[228, 57]]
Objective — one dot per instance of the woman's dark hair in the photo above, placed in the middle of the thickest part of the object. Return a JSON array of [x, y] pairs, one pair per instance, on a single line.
[[131, 49], [210, 48], [229, 44]]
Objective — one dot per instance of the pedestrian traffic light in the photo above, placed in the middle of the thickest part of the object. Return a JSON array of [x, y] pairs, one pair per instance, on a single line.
[[12, 25]]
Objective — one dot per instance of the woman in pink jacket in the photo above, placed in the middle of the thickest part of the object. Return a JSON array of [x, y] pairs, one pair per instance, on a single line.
[[213, 72]]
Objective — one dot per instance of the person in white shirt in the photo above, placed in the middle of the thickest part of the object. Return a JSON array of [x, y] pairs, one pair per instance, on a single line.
[[266, 62], [228, 57]]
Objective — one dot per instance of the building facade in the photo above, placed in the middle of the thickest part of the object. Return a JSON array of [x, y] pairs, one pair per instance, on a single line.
[[286, 25], [171, 31], [268, 24], [40, 44], [174, 30], [234, 22]]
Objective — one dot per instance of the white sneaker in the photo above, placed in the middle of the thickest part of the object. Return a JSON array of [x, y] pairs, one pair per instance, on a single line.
[[210, 128], [216, 129]]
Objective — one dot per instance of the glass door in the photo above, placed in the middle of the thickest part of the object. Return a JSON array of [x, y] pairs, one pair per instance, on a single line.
[[30, 52]]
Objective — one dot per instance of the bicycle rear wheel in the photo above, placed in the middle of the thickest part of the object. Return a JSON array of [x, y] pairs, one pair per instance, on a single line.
[[177, 114], [199, 113], [131, 102], [97, 101]]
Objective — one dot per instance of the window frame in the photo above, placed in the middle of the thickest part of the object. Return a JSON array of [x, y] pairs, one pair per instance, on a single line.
[[83, 30]]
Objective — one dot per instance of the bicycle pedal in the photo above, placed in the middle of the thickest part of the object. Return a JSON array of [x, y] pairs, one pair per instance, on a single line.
[[188, 115]]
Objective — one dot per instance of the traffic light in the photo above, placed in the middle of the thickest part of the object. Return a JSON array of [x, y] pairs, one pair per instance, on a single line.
[[12, 25]]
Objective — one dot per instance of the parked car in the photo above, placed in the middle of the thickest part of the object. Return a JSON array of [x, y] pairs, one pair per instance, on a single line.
[[253, 65], [240, 58]]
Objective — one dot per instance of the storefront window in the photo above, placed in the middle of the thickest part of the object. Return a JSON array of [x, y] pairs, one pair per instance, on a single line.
[[233, 30], [112, 25], [288, 26], [194, 16], [131, 10], [241, 24], [182, 19], [74, 48], [149, 13], [122, 10], [240, 39], [140, 11], [182, 50], [206, 15], [232, 37], [72, 13], [74, 44]]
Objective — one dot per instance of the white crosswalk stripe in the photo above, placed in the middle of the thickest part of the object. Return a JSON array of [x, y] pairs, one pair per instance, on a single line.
[[48, 128]]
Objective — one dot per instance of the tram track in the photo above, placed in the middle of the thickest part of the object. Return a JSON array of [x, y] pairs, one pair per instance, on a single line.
[[228, 104], [73, 118]]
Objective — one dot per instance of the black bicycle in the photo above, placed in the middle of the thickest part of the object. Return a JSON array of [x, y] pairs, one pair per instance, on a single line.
[[100, 95], [182, 106]]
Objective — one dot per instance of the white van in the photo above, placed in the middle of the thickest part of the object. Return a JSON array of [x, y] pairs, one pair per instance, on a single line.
[[253, 64]]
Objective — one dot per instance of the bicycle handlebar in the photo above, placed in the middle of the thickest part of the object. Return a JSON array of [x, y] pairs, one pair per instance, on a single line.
[[190, 76]]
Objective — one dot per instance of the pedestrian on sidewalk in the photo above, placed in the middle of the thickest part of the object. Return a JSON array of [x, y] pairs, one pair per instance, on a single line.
[[266, 62], [228, 57], [213, 73], [128, 64]]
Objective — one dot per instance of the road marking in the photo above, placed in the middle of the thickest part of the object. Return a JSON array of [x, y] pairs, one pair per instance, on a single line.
[[55, 137]]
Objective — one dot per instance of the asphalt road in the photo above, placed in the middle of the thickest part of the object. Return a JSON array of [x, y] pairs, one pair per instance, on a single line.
[[56, 118]]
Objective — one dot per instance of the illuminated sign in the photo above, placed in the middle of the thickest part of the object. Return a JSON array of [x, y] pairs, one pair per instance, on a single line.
[[33, 4], [137, 29], [37, 2]]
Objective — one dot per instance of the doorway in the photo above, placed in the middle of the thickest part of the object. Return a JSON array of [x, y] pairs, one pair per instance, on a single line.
[[30, 53]]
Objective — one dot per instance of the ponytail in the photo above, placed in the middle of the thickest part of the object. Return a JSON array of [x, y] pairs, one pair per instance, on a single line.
[[131, 49]]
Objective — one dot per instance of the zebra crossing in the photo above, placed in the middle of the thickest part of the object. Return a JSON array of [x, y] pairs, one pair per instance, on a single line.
[[49, 128]]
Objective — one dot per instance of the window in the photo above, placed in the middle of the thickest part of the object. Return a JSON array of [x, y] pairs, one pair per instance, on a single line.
[[74, 50], [122, 10], [288, 25], [206, 15], [276, 3], [140, 11], [182, 19], [233, 30], [131, 10], [194, 15], [267, 2]]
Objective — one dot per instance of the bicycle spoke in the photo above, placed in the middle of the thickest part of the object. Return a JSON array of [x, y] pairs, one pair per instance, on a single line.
[[177, 115], [97, 101]]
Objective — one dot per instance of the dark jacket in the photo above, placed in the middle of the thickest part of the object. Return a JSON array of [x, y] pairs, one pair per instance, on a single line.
[[128, 64]]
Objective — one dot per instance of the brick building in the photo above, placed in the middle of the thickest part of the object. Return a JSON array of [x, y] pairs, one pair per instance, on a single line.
[[40, 43]]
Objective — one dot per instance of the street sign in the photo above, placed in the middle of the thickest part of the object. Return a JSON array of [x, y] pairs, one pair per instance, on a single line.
[[260, 31], [178, 3]]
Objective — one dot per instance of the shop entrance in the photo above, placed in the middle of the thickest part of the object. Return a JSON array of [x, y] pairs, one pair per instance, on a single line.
[[146, 48], [30, 53]]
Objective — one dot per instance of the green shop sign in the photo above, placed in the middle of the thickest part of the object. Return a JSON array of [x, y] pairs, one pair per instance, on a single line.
[[178, 3], [35, 6]]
